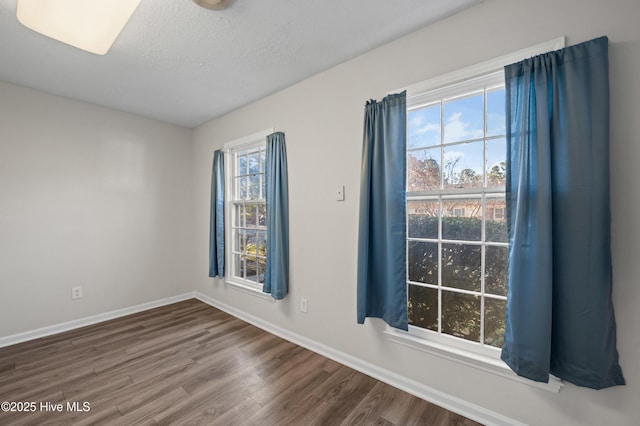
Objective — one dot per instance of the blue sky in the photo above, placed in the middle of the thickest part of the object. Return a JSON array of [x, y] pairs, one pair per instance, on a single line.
[[463, 120]]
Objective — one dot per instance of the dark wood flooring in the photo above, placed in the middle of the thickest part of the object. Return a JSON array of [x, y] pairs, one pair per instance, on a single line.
[[189, 364]]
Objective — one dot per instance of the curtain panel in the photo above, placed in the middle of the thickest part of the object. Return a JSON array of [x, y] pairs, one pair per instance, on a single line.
[[560, 317], [216, 227], [382, 277], [276, 280]]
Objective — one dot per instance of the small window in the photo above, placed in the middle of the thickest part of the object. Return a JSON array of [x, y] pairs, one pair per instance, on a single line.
[[458, 212], [456, 228], [247, 211]]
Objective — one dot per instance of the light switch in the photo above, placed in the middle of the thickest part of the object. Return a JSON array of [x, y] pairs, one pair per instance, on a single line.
[[340, 193]]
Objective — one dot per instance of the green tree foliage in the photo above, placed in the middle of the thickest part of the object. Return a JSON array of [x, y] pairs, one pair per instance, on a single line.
[[497, 175], [461, 268]]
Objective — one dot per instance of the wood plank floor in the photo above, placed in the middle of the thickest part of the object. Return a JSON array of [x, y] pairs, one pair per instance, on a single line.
[[189, 363]]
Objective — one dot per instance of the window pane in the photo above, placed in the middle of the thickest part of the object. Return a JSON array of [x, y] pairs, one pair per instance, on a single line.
[[241, 188], [252, 269], [242, 164], [251, 241], [461, 266], [423, 262], [262, 215], [262, 160], [263, 261], [261, 252], [262, 244], [494, 321], [463, 165], [461, 315], [254, 162], [423, 170], [464, 119], [251, 215], [462, 219], [239, 266], [423, 307], [496, 163], [495, 275], [261, 265], [254, 187], [423, 127], [496, 225], [496, 112], [241, 241], [422, 219]]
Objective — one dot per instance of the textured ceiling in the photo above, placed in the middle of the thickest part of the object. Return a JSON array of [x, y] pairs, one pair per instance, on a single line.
[[182, 64]]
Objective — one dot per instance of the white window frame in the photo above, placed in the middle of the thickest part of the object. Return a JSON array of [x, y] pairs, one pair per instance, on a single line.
[[248, 142], [418, 100], [449, 347]]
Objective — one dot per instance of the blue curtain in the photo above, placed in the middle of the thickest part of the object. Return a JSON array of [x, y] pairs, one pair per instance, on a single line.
[[382, 276], [276, 280], [216, 228], [560, 316]]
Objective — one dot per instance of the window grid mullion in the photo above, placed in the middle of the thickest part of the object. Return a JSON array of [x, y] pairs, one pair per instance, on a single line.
[[453, 193], [441, 145], [439, 265], [432, 240], [440, 212], [246, 178], [483, 265], [449, 144], [244, 267], [484, 217]]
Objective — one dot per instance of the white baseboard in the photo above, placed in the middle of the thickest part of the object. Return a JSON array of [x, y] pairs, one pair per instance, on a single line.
[[449, 402], [83, 322]]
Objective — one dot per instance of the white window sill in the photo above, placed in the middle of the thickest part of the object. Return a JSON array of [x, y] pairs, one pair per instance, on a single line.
[[480, 362], [248, 289]]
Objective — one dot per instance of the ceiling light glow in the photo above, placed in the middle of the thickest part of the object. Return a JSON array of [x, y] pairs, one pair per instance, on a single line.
[[91, 25]]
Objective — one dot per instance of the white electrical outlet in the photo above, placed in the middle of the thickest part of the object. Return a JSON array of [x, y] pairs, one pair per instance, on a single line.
[[76, 292], [340, 193], [303, 305]]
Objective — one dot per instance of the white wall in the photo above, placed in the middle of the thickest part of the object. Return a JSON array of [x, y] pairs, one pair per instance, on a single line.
[[103, 199], [322, 119], [92, 197]]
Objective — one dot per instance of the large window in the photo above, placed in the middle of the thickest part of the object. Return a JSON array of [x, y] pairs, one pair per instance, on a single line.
[[456, 228], [248, 214]]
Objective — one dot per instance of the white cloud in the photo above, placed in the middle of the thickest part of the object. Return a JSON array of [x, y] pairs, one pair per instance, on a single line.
[[423, 132], [429, 127], [421, 126], [457, 130], [417, 121]]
